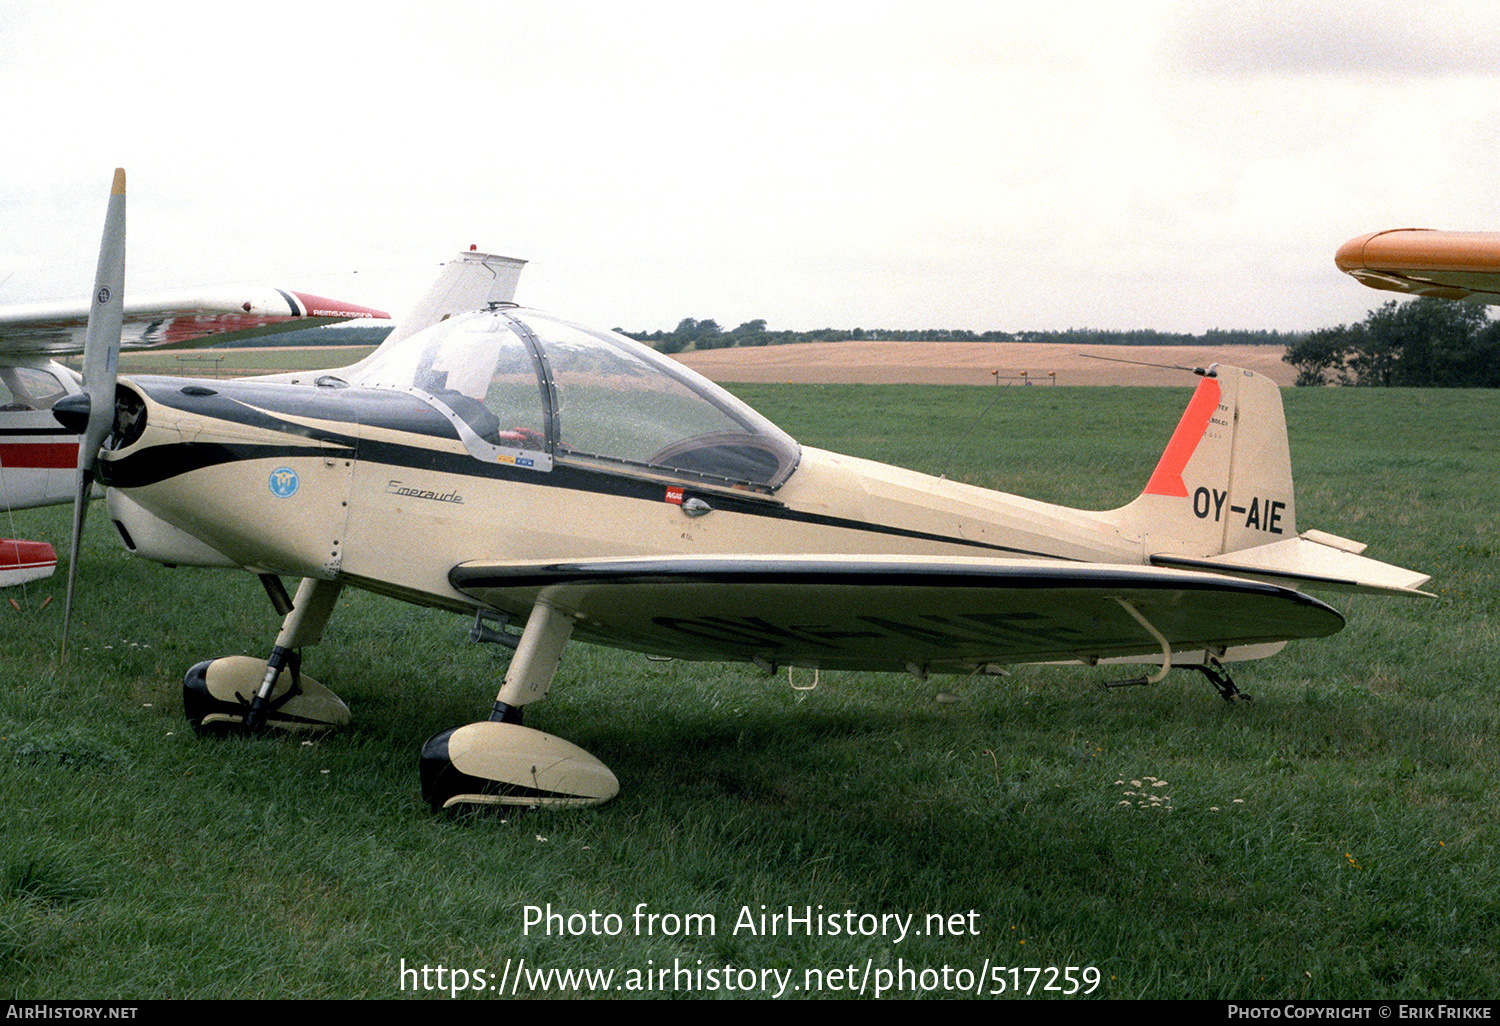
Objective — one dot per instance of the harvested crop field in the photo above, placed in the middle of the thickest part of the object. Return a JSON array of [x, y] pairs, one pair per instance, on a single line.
[[974, 363]]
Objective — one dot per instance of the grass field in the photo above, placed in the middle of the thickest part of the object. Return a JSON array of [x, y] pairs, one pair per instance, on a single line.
[[1337, 838], [237, 363]]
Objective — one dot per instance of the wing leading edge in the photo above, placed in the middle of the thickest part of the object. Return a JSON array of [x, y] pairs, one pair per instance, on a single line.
[[896, 613]]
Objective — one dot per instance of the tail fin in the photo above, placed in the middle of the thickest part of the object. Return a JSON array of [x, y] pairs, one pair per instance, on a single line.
[[1224, 482], [1221, 498], [469, 281]]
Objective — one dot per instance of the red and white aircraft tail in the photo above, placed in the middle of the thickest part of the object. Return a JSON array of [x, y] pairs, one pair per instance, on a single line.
[[38, 457], [1221, 498]]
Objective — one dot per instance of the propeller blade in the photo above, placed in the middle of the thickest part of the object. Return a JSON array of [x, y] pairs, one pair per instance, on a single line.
[[101, 354]]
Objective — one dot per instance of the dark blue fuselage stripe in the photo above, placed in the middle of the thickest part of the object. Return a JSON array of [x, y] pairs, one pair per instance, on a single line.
[[297, 310]]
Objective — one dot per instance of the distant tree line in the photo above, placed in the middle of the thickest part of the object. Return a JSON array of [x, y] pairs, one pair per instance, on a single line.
[[323, 335], [1416, 343], [691, 334], [1412, 343]]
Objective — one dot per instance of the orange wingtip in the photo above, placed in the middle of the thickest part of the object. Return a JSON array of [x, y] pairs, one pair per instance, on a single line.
[[1420, 249]]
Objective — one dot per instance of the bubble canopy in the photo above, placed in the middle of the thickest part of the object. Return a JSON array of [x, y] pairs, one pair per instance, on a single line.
[[530, 389]]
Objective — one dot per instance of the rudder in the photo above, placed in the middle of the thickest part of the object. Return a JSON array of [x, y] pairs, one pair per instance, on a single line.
[[1224, 481]]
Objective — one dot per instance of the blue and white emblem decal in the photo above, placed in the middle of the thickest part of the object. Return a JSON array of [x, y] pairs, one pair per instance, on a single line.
[[283, 482]]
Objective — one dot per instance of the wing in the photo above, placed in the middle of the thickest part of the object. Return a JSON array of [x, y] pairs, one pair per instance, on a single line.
[[1421, 262], [893, 613], [168, 320]]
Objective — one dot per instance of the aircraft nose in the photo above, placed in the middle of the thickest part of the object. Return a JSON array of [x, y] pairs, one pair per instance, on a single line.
[[72, 412]]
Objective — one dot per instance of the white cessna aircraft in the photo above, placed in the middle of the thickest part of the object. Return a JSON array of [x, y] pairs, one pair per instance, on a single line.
[[38, 457], [568, 482]]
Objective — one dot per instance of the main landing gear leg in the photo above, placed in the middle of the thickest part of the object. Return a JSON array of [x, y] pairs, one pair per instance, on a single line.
[[252, 694], [1212, 668], [500, 762], [1219, 678]]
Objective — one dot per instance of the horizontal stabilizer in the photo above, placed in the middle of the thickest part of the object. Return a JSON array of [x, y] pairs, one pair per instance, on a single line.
[[1314, 560]]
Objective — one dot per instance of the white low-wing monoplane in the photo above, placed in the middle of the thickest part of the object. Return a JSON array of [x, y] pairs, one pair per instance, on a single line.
[[514, 466]]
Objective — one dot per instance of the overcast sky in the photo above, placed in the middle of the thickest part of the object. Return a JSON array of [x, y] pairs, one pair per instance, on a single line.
[[985, 165]]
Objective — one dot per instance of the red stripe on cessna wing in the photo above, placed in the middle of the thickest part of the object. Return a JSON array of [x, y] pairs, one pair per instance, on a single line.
[[188, 327], [26, 555], [1166, 479], [317, 306], [39, 455]]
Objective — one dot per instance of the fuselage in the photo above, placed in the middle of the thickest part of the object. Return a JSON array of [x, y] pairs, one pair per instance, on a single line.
[[575, 479], [503, 454], [38, 457], [380, 488]]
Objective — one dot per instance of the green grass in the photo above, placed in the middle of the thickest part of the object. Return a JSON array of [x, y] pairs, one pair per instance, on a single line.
[[1334, 839], [235, 363]]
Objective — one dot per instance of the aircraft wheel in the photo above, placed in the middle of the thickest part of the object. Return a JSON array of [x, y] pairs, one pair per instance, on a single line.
[[216, 696], [491, 763]]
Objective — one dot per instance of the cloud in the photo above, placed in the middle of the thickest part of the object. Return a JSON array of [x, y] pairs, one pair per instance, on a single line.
[[1371, 41], [968, 164]]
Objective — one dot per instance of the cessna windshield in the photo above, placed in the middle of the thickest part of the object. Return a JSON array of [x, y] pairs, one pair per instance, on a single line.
[[526, 388], [29, 388]]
